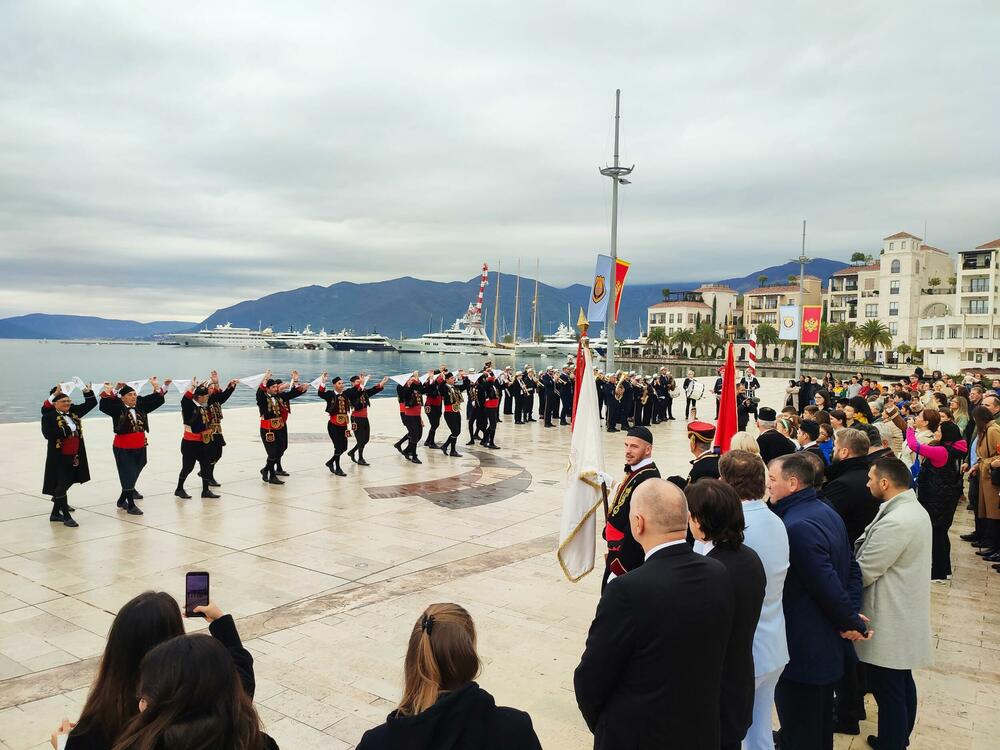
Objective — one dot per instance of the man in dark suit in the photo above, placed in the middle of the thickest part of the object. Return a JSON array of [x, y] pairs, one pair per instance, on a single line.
[[771, 442], [807, 436], [651, 674], [846, 487]]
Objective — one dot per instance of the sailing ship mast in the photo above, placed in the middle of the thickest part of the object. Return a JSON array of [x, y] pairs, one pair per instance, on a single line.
[[534, 306], [517, 300], [496, 306]]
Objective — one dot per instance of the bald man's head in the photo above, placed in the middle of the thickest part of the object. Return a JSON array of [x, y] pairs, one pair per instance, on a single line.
[[658, 513]]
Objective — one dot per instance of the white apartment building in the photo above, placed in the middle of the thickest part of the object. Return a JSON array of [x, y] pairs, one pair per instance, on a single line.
[[677, 314], [908, 278], [962, 329]]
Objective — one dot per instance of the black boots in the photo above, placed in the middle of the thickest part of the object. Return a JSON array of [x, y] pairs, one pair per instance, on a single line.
[[279, 471], [211, 478], [180, 491], [268, 474], [448, 448], [128, 503], [334, 466], [60, 512]]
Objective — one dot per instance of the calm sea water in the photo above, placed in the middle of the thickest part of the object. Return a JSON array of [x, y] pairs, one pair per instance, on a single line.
[[33, 367]]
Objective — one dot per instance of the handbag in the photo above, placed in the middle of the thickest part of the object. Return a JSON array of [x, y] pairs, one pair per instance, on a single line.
[[995, 475], [915, 468]]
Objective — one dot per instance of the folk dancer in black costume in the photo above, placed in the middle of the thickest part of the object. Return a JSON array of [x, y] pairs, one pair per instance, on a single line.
[[432, 405], [66, 457], [401, 397], [451, 396], [129, 414], [273, 405], [360, 401], [488, 396], [288, 391], [196, 439], [413, 406], [338, 406], [217, 396]]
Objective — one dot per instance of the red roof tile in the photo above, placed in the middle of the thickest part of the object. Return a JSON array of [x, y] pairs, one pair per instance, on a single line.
[[851, 270], [777, 289], [902, 236], [990, 245]]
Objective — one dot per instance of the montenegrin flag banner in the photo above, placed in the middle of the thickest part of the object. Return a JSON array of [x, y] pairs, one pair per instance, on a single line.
[[812, 322], [621, 271], [788, 322], [577, 533], [600, 290]]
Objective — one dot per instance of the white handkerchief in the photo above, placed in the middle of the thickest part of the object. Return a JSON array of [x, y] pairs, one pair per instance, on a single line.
[[401, 378], [253, 381], [182, 386], [68, 387], [317, 382], [136, 384]]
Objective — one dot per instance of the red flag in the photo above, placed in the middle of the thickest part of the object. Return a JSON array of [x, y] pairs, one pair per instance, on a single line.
[[726, 426], [621, 271], [579, 374], [812, 321]]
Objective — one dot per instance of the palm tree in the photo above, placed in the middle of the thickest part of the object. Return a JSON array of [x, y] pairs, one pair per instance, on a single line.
[[682, 338], [858, 258], [903, 350], [665, 292], [762, 279], [871, 334], [657, 339], [708, 339], [831, 339], [767, 335], [846, 331]]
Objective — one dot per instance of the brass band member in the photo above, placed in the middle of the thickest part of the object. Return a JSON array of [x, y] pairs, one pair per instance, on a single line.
[[129, 414], [338, 406], [196, 439], [360, 401], [451, 394], [272, 403], [66, 458], [217, 396]]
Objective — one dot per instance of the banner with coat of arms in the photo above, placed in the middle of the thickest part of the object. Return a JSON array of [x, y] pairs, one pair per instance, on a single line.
[[600, 290], [812, 322], [788, 322]]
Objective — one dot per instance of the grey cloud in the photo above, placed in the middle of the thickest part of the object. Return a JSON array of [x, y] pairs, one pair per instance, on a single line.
[[241, 148]]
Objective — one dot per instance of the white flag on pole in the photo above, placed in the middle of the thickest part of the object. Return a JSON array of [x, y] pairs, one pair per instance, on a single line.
[[577, 532], [253, 381]]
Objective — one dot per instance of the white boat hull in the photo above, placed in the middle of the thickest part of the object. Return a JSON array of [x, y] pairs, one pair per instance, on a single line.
[[413, 346], [193, 339]]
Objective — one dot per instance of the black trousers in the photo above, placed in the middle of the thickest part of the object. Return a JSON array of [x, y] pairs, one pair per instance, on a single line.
[[940, 550], [491, 416], [215, 447], [611, 421], [508, 403], [521, 413], [806, 715], [276, 445], [362, 433], [414, 429], [567, 410], [454, 421], [624, 412], [129, 462], [690, 405], [477, 420], [668, 407], [850, 691], [434, 420], [194, 452], [896, 696], [338, 436]]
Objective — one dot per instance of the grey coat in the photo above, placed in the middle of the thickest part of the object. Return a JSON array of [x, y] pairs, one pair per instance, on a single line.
[[894, 554]]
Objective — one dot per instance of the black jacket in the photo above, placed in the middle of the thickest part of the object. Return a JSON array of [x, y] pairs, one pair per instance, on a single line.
[[465, 719], [846, 490], [747, 576], [650, 677], [63, 467], [773, 444], [940, 487]]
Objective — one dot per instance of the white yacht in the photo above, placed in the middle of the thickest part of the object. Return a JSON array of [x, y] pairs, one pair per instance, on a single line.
[[466, 336], [561, 343], [225, 335], [288, 339], [347, 340]]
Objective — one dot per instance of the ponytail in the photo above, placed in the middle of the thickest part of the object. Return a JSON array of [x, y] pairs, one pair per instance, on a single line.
[[441, 656]]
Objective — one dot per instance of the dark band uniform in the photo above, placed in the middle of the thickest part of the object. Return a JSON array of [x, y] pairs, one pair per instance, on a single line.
[[624, 552], [488, 397], [66, 456], [129, 445], [338, 406]]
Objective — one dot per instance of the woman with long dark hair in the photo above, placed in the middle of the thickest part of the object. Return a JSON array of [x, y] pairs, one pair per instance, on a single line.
[[857, 410], [442, 707], [191, 697], [939, 485]]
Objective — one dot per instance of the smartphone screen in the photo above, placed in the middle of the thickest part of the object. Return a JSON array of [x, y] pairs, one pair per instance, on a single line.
[[195, 592]]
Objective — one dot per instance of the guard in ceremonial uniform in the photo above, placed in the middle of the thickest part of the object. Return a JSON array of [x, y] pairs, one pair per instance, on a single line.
[[338, 406], [413, 407], [217, 396], [196, 439], [66, 457], [129, 414], [360, 401], [706, 461], [432, 405], [273, 406], [566, 389], [451, 396], [624, 552]]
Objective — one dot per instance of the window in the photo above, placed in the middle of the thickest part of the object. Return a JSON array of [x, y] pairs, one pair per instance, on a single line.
[[939, 332], [953, 332], [671, 317], [894, 268], [871, 311], [894, 287], [894, 328], [891, 245], [978, 307], [979, 285], [894, 308], [869, 283], [917, 269]]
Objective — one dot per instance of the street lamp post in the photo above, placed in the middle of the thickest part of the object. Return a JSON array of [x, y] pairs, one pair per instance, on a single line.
[[617, 174], [802, 259]]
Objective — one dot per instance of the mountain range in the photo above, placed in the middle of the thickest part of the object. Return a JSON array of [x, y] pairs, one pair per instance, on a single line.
[[404, 306]]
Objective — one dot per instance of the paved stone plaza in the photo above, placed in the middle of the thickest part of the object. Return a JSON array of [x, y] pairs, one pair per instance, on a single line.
[[327, 575]]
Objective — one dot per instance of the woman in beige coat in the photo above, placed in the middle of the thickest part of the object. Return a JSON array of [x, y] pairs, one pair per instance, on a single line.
[[987, 457]]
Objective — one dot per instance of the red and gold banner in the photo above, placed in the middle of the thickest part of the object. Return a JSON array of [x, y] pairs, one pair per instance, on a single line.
[[812, 322], [621, 271]]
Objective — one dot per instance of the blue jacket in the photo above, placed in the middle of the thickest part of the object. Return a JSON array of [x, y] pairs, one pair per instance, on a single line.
[[822, 594]]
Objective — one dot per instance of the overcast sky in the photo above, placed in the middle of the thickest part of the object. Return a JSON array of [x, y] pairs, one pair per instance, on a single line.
[[161, 160]]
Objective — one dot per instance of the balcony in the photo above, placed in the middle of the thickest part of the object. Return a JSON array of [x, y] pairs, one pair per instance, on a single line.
[[938, 290]]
